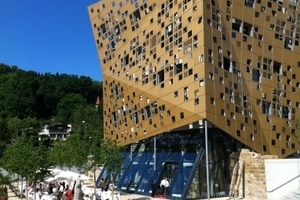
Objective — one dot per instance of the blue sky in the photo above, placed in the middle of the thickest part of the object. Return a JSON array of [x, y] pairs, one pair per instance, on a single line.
[[49, 36]]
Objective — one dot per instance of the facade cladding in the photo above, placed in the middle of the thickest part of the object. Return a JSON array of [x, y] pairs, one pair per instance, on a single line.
[[168, 65]]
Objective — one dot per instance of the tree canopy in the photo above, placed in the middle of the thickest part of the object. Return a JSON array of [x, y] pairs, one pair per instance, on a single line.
[[41, 98]]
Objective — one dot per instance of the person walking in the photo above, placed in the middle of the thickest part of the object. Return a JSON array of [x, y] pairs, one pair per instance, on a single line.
[[68, 194], [164, 184], [153, 188], [60, 191], [101, 184]]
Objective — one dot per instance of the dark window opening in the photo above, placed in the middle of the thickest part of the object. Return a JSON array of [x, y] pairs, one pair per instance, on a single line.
[[138, 51], [247, 29], [266, 107], [113, 117], [285, 112], [136, 15], [160, 76], [135, 118], [236, 24], [169, 30], [277, 67], [117, 30], [102, 30], [288, 43], [226, 63], [147, 112], [256, 76], [112, 45], [178, 68], [249, 3], [126, 60]]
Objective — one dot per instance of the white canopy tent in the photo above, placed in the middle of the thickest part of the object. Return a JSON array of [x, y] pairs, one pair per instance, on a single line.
[[66, 175]]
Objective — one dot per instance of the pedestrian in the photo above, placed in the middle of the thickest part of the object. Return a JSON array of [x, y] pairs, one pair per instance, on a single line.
[[60, 191], [164, 184], [50, 188], [68, 194], [101, 184], [153, 188]]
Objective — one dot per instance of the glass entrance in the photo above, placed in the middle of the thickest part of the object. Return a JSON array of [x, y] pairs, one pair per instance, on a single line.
[[169, 171]]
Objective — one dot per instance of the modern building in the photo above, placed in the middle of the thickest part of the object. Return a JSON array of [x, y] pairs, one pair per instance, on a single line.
[[171, 67]]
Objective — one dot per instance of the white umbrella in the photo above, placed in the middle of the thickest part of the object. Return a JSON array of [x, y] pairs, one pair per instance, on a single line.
[[84, 177], [60, 175], [67, 175], [54, 172]]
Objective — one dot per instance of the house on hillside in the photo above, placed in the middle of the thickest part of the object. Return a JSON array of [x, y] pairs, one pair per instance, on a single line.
[[55, 131]]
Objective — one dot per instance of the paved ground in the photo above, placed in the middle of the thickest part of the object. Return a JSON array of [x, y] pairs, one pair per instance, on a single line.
[[140, 197], [11, 195]]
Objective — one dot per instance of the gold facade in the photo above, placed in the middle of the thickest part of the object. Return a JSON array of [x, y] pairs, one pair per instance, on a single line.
[[168, 64]]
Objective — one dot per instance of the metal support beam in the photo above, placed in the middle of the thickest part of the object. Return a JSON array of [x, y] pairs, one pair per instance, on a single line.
[[207, 161], [130, 152], [154, 154]]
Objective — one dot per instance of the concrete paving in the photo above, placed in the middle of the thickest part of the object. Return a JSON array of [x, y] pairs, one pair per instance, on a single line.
[[11, 195], [141, 197]]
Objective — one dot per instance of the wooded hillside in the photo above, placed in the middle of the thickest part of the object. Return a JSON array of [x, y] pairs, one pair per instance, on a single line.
[[29, 99]]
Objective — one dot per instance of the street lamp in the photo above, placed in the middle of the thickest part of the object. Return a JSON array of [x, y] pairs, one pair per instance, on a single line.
[[84, 126], [90, 146], [92, 160]]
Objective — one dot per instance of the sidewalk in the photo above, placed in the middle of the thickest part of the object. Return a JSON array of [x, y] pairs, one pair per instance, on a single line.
[[141, 197], [137, 197], [11, 195]]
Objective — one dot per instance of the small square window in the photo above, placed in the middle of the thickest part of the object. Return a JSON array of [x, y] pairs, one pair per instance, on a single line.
[[214, 39], [175, 94], [233, 34], [264, 148], [181, 115]]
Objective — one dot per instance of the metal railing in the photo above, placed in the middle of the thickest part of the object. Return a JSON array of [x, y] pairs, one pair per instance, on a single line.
[[270, 191]]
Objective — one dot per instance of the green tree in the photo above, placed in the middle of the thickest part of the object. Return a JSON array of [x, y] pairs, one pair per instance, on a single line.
[[26, 159], [59, 154], [5, 180], [67, 105], [29, 97], [78, 145], [111, 157]]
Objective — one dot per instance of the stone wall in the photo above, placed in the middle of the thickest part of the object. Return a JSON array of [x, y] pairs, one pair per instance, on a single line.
[[254, 173]]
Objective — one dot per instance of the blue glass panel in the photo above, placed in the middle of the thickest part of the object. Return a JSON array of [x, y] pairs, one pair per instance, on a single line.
[[100, 176], [155, 177], [189, 157], [161, 157], [128, 175], [119, 176], [180, 179], [146, 157], [136, 177], [144, 181], [131, 170], [104, 174], [174, 157]]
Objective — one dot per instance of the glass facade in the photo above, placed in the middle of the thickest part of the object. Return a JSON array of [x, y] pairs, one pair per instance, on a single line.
[[180, 157]]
